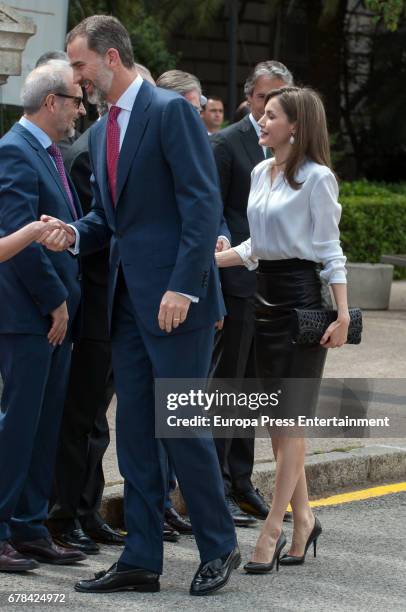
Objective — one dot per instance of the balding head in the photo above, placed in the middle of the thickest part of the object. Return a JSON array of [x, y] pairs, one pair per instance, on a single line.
[[52, 100], [54, 76]]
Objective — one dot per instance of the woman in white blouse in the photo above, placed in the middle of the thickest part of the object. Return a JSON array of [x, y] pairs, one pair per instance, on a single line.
[[293, 215]]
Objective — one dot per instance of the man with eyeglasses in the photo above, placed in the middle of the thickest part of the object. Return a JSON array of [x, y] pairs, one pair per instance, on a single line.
[[40, 298], [66, 143]]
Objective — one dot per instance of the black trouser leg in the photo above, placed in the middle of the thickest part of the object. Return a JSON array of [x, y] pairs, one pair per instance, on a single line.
[[234, 357], [84, 437]]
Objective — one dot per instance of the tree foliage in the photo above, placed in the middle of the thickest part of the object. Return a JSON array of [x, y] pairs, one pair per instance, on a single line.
[[148, 35], [390, 11]]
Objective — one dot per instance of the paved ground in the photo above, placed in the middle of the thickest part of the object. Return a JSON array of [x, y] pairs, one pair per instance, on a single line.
[[360, 567], [362, 552]]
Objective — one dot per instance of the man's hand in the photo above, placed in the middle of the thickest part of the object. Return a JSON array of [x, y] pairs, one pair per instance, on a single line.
[[59, 239], [222, 244], [219, 324], [59, 325], [173, 310]]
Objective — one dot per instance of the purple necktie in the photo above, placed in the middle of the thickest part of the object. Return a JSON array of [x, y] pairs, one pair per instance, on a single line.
[[55, 153]]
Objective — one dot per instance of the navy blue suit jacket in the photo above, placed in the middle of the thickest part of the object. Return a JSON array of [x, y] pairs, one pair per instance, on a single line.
[[36, 281], [165, 224]]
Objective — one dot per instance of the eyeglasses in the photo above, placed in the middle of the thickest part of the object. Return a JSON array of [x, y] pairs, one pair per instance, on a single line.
[[78, 99]]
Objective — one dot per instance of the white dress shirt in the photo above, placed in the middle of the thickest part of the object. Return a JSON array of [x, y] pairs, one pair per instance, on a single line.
[[286, 223], [126, 102], [257, 129]]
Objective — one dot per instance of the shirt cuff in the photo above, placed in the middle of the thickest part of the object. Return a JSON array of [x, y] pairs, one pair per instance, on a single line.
[[75, 248], [225, 239], [192, 298], [339, 277], [244, 251], [335, 271]]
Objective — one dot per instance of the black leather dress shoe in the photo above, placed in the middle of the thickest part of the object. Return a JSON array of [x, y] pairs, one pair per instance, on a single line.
[[252, 502], [46, 551], [12, 561], [170, 534], [104, 534], [76, 538], [110, 581], [240, 518], [213, 575], [176, 521]]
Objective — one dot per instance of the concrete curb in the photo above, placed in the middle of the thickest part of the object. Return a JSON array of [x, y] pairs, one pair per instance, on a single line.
[[326, 473]]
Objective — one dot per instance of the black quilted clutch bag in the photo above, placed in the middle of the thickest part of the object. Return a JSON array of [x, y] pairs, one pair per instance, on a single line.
[[310, 325]]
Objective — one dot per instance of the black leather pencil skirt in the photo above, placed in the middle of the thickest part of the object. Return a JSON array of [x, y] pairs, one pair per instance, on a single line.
[[284, 285]]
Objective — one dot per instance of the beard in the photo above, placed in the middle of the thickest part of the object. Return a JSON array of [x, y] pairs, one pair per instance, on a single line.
[[71, 131], [97, 97], [67, 131], [101, 86]]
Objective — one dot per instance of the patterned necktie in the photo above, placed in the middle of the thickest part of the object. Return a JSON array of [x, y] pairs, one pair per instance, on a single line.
[[113, 149], [55, 153]]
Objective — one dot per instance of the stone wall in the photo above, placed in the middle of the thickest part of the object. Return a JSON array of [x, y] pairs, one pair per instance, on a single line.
[[15, 30]]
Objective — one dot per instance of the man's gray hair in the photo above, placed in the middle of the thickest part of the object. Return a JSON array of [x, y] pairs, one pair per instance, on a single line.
[[42, 81], [272, 69], [179, 81]]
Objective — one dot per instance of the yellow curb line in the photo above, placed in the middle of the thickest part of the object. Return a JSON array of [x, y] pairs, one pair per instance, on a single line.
[[352, 496]]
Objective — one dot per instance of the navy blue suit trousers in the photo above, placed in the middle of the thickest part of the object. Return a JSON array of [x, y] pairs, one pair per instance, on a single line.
[[138, 358]]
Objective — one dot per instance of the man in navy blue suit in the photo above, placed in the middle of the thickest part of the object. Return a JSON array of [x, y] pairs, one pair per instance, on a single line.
[[157, 199], [40, 294]]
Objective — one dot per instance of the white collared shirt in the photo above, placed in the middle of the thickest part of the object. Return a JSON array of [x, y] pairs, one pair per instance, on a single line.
[[257, 129], [288, 223], [126, 102]]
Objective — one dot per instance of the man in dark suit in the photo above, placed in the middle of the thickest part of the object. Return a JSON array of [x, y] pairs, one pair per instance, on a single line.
[[156, 198], [40, 294], [74, 518], [188, 86], [237, 151]]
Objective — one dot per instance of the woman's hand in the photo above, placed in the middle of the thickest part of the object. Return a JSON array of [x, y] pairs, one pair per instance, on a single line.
[[42, 229], [222, 244], [228, 258], [58, 236], [336, 333]]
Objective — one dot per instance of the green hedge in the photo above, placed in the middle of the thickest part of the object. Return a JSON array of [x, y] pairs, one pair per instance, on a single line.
[[373, 221]]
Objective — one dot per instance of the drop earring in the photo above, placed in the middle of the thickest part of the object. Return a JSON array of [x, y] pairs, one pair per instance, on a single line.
[[292, 139]]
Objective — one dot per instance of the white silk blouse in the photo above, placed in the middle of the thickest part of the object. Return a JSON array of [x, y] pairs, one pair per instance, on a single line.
[[286, 223]]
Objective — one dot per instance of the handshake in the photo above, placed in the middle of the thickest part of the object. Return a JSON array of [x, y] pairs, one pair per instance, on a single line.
[[57, 235]]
